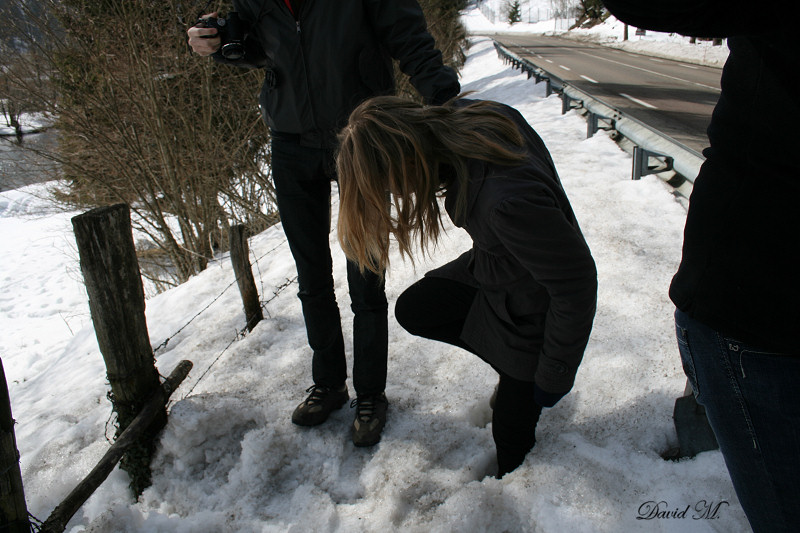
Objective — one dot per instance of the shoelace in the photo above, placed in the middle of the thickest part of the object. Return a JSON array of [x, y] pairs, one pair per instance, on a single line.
[[317, 394], [365, 407]]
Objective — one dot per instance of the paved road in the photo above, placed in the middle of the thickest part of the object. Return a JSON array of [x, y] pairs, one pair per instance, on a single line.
[[674, 97]]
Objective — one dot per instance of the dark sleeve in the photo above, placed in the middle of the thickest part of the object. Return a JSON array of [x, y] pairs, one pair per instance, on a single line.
[[537, 233], [702, 18], [401, 25]]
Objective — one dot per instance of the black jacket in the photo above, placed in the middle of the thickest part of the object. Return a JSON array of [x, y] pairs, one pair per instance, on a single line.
[[738, 272], [335, 55], [536, 277]]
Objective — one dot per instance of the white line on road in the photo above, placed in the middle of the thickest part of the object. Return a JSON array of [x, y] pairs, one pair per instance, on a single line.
[[548, 60], [587, 78], [636, 100], [565, 68], [693, 67], [717, 89]]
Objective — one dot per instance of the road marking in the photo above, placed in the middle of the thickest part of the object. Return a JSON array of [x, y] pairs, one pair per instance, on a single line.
[[565, 68], [716, 89], [636, 100], [587, 78], [693, 67], [548, 60], [656, 60]]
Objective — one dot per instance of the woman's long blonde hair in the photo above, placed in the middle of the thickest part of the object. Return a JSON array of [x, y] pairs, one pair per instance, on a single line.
[[393, 145]]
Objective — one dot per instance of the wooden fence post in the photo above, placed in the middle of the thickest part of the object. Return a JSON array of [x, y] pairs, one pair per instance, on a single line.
[[13, 511], [57, 521], [116, 301], [240, 253]]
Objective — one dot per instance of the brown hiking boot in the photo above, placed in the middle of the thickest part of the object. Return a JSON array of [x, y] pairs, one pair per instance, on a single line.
[[319, 405], [370, 419]]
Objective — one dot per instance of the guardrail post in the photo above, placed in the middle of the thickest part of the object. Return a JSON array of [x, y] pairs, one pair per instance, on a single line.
[[566, 103], [691, 424], [591, 124], [641, 163]]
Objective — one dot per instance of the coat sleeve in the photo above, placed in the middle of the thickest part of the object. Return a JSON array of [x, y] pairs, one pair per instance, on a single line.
[[535, 230], [701, 18], [402, 28]]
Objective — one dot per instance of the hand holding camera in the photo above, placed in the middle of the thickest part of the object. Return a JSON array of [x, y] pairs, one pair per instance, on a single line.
[[223, 33]]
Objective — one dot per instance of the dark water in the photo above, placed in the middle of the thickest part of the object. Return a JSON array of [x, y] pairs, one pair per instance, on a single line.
[[20, 166]]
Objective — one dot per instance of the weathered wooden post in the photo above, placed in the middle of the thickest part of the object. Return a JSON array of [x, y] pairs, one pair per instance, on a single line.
[[240, 252], [57, 521], [116, 301], [13, 511]]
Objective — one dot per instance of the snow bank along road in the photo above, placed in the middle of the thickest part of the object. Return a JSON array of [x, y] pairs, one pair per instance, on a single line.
[[673, 97]]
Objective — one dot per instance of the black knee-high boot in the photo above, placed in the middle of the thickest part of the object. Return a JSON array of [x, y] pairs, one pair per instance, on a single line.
[[514, 423]]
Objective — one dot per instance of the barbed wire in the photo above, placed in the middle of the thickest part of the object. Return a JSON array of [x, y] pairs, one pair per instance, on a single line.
[[164, 343], [240, 334]]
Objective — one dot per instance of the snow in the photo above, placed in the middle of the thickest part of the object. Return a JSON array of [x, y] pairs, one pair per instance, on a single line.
[[29, 122], [609, 33], [230, 459]]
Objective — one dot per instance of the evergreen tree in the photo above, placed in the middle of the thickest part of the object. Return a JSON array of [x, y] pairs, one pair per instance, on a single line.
[[514, 12]]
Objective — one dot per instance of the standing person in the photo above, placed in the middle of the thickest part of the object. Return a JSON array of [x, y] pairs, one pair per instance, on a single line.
[[523, 298], [737, 289], [321, 59]]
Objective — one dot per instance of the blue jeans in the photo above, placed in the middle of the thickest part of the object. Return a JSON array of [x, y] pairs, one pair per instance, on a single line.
[[752, 400], [302, 177]]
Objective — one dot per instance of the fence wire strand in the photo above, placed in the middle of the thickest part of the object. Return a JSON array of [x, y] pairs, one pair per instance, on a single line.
[[203, 310], [240, 334]]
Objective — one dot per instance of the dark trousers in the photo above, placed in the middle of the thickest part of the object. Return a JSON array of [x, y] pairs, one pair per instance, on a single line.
[[435, 308], [752, 399], [302, 178]]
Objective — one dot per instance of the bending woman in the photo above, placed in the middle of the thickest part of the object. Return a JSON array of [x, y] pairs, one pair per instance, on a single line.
[[523, 298]]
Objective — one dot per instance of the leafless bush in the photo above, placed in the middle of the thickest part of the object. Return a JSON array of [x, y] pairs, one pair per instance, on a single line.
[[143, 121]]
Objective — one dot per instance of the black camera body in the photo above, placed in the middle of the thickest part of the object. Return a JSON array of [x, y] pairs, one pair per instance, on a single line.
[[230, 30]]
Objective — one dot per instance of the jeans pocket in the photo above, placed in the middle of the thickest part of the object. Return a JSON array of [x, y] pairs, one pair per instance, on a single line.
[[687, 360], [770, 379]]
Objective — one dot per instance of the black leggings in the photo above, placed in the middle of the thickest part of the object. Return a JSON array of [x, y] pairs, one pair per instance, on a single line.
[[436, 308]]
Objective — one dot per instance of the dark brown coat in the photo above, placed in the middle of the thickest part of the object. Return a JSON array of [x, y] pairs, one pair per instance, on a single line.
[[536, 277]]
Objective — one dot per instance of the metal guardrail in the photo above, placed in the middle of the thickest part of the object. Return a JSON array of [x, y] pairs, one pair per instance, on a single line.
[[649, 142]]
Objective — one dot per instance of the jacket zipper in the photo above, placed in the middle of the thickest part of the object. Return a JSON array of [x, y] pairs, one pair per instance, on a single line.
[[305, 67]]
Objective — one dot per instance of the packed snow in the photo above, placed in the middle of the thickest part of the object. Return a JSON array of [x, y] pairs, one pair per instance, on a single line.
[[230, 460]]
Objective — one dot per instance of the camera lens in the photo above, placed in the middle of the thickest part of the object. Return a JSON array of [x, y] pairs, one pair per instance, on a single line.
[[233, 51]]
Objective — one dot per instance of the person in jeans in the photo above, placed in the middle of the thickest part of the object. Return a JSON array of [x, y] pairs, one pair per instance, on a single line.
[[523, 298], [320, 60], [736, 291]]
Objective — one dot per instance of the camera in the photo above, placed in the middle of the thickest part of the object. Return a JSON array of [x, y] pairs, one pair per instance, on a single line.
[[230, 30]]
